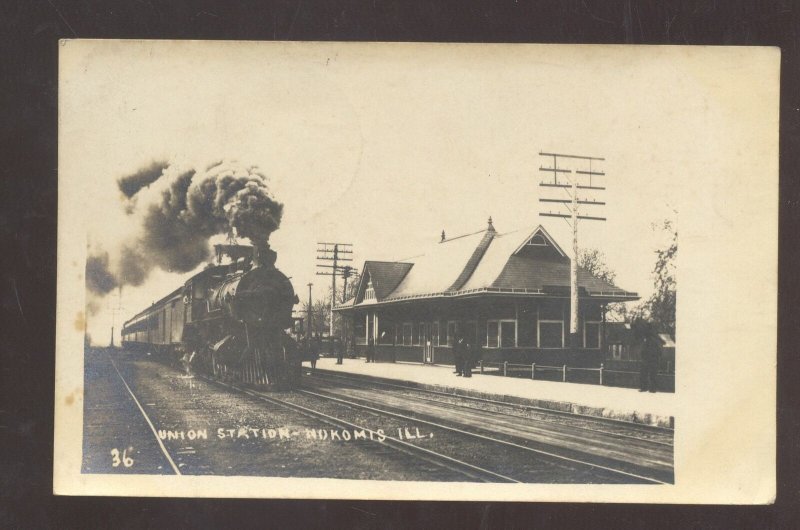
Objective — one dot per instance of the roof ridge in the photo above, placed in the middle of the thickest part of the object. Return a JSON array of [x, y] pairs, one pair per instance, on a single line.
[[472, 262], [447, 240]]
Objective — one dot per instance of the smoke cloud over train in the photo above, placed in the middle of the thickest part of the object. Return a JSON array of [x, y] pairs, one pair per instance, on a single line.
[[175, 211]]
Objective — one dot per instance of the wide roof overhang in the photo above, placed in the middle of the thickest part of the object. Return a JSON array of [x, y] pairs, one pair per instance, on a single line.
[[601, 296]]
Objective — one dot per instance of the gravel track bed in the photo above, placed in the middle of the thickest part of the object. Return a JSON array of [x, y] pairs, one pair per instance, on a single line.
[[519, 464], [178, 403], [664, 437]]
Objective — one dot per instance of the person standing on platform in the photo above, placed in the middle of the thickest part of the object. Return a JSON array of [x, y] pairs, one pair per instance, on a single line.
[[458, 354], [314, 353], [371, 349], [651, 355], [339, 351], [466, 367]]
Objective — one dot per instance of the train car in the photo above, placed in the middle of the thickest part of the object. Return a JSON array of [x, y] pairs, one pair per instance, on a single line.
[[231, 321]]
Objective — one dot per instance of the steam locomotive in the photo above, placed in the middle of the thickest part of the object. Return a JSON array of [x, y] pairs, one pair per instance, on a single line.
[[229, 321]]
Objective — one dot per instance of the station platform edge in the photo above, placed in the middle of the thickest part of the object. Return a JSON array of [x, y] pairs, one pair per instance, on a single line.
[[622, 404]]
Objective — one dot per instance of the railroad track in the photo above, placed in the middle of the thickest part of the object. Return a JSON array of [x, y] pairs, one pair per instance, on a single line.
[[458, 451], [615, 467], [596, 420], [553, 462], [466, 469]]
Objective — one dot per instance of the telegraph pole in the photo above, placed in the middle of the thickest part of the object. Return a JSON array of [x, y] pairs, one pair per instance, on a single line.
[[572, 173], [308, 324], [347, 270], [114, 311], [335, 252]]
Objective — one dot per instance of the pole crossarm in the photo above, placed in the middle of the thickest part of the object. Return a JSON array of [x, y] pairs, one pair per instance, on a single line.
[[569, 201], [337, 253], [571, 156], [579, 186], [570, 176], [582, 217]]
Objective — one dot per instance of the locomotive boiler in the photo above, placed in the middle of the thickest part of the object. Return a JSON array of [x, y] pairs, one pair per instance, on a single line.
[[229, 321]]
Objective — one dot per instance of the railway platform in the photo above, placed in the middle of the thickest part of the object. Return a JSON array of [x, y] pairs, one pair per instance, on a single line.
[[623, 404]]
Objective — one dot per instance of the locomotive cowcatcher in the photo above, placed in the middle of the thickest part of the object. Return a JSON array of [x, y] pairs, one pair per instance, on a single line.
[[229, 321]]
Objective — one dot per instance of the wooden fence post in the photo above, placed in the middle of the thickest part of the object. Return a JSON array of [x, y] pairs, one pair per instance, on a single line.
[[564, 374], [533, 370], [505, 368], [601, 374], [480, 364]]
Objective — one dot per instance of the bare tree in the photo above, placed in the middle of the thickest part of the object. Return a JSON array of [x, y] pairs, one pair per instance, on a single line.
[[594, 262], [660, 307]]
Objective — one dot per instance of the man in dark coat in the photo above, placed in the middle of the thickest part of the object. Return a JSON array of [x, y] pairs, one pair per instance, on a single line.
[[467, 359], [459, 351], [339, 351], [371, 349], [651, 354]]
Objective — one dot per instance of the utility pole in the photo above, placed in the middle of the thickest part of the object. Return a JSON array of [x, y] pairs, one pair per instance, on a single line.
[[308, 324], [114, 311], [335, 252], [347, 270], [572, 173]]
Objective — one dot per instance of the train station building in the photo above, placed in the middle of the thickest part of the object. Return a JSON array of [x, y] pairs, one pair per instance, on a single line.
[[507, 292]]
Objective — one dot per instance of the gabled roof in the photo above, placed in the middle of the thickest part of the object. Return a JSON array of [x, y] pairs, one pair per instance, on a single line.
[[385, 276], [484, 261], [439, 267]]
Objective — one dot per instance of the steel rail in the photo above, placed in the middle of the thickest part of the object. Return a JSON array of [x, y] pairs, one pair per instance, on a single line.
[[598, 419], [484, 437], [147, 419], [454, 406], [428, 455]]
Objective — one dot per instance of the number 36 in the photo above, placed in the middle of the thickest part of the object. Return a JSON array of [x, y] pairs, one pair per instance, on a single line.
[[124, 459]]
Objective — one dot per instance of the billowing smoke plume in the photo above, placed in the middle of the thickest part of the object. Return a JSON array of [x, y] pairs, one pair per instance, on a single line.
[[131, 184], [176, 211]]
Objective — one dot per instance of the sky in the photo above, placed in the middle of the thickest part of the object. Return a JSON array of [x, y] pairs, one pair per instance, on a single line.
[[385, 145]]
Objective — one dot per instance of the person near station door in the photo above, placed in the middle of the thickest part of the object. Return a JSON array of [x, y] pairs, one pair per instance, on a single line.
[[371, 349], [651, 355], [467, 359], [459, 351]]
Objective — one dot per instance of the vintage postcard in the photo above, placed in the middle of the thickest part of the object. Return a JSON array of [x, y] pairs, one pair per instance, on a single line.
[[417, 271]]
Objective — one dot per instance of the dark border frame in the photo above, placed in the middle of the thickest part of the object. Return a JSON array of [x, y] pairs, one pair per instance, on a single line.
[[29, 32]]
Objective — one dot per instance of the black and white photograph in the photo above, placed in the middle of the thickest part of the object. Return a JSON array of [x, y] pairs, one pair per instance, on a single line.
[[416, 271]]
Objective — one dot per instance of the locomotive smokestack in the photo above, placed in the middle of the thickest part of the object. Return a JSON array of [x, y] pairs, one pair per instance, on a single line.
[[263, 256]]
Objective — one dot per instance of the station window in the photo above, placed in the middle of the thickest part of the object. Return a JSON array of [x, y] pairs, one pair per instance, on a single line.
[[408, 332], [470, 331], [538, 241], [360, 333], [501, 333], [591, 335], [492, 333], [452, 329], [385, 332], [435, 333], [421, 332], [551, 333]]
